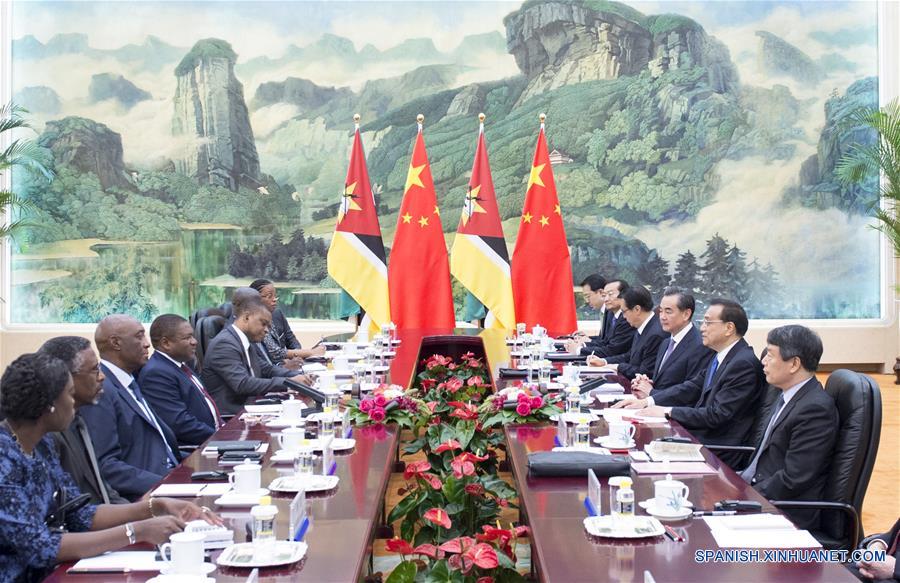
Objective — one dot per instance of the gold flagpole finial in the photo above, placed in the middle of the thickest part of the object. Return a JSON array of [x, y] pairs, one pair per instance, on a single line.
[[420, 118], [481, 117], [542, 117]]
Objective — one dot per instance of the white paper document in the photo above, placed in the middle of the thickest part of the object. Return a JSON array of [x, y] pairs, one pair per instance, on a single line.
[[672, 468], [263, 409], [314, 367], [121, 560], [759, 531], [178, 490], [612, 398]]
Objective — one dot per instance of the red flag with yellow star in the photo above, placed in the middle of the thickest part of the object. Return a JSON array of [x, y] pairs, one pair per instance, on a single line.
[[419, 273], [541, 268], [478, 258], [356, 258]]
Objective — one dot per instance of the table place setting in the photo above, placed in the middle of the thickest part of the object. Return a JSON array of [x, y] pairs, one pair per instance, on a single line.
[[246, 486], [670, 500], [250, 555]]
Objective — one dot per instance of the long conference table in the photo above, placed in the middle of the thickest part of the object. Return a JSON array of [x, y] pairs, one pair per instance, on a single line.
[[343, 523]]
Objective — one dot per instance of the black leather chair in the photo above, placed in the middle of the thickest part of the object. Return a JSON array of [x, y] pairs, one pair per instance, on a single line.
[[858, 401], [205, 330]]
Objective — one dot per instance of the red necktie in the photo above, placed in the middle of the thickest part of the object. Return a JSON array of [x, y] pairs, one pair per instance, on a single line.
[[187, 370]]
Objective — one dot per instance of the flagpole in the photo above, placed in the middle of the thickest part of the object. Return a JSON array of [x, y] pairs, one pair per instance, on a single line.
[[542, 117], [480, 123], [420, 120], [356, 118]]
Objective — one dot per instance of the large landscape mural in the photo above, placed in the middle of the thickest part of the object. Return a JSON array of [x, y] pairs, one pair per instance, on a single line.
[[198, 145]]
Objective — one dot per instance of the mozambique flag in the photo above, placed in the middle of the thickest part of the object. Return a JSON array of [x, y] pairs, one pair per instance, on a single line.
[[478, 258], [419, 274], [356, 256], [541, 267]]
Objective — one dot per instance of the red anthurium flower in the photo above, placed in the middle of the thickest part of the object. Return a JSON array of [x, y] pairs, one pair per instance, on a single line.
[[463, 465], [398, 545], [474, 489], [414, 469], [521, 531], [454, 384], [432, 480], [428, 384], [501, 535], [464, 410], [448, 445], [431, 405], [485, 580], [438, 517], [475, 381], [427, 550], [483, 556], [458, 544]]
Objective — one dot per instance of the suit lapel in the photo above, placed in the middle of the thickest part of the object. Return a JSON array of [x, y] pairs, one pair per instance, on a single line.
[[723, 367], [75, 442], [248, 360], [801, 394], [681, 348], [126, 396]]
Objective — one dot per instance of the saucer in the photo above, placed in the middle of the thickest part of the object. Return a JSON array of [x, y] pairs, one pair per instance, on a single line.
[[606, 442], [572, 417], [168, 571], [617, 527], [337, 444], [666, 513], [178, 578], [281, 422], [245, 555], [241, 500], [307, 482]]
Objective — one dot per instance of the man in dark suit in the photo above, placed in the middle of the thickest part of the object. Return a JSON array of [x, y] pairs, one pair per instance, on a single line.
[[170, 385], [594, 294], [719, 405], [77, 455], [135, 448], [618, 334], [641, 357], [794, 453], [232, 370], [682, 355]]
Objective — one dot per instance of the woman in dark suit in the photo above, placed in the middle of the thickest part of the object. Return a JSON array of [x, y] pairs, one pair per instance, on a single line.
[[280, 342], [37, 398]]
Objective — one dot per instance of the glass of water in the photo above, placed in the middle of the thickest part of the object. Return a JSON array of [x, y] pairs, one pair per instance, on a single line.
[[304, 461], [573, 401], [582, 434]]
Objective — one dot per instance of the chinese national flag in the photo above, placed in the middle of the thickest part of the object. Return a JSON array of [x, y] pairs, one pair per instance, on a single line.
[[418, 272], [541, 268]]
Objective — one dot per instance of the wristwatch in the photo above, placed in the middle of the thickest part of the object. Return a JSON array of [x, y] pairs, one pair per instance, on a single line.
[[668, 415], [129, 532]]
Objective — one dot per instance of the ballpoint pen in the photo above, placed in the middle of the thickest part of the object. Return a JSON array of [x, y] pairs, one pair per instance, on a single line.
[[672, 534], [714, 512]]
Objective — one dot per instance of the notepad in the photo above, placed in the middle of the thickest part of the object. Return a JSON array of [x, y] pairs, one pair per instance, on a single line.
[[122, 561], [759, 531], [672, 468], [314, 367], [178, 490], [612, 398], [263, 409]]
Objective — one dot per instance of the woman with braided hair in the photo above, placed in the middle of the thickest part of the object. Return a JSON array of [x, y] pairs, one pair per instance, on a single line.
[[40, 525]]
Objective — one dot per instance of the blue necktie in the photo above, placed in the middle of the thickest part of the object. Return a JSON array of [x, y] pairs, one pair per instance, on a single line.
[[711, 372], [137, 393]]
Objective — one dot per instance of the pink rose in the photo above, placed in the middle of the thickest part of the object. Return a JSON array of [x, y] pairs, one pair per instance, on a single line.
[[376, 414], [366, 405], [523, 409], [522, 397], [380, 401], [536, 402]]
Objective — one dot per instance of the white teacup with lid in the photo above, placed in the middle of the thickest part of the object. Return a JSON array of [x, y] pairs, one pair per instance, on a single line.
[[670, 495], [246, 478]]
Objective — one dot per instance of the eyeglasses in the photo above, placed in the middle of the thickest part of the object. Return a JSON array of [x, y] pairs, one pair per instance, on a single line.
[[92, 372], [705, 322]]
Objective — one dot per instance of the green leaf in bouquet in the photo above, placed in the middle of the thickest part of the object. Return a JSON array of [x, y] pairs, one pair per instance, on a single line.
[[405, 572]]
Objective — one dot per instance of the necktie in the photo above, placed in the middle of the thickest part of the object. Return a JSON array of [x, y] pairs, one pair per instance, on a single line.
[[152, 418], [751, 469], [196, 382], [668, 352], [713, 366], [92, 456]]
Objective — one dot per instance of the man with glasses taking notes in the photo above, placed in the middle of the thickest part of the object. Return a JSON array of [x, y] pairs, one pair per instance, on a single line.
[[718, 405]]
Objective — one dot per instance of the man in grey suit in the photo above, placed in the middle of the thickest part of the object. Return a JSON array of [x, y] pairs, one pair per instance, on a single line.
[[232, 370], [76, 450]]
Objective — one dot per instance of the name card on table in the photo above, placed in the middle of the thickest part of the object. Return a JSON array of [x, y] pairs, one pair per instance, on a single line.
[[562, 431], [346, 428], [594, 492], [328, 463], [298, 521], [254, 576]]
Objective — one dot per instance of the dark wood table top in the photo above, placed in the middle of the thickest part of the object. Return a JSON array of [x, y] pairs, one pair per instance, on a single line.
[[563, 551]]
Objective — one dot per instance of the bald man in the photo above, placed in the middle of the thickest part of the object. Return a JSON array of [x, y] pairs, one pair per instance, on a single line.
[[134, 447]]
